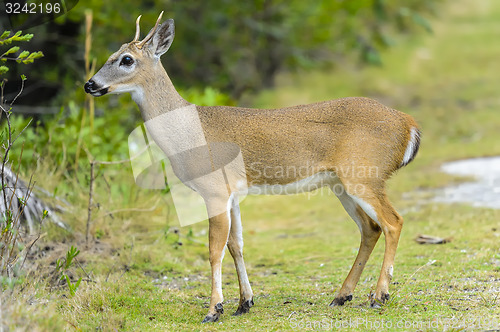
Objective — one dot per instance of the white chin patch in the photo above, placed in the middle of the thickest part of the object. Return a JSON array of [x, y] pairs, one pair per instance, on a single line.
[[136, 92], [137, 95]]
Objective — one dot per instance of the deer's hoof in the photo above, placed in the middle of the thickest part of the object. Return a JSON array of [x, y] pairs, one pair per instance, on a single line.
[[341, 300], [213, 317], [244, 307], [379, 302]]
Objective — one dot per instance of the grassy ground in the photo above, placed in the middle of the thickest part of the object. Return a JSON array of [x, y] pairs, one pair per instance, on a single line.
[[299, 249]]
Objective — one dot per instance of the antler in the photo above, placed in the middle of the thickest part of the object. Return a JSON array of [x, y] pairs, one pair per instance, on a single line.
[[137, 29], [151, 33]]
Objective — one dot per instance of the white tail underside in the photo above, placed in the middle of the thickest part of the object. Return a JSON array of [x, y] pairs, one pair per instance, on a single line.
[[412, 146]]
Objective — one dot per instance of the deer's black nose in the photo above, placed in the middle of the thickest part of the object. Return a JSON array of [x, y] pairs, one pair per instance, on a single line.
[[89, 86]]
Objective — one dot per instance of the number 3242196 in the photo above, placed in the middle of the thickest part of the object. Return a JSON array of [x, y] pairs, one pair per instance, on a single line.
[[32, 8]]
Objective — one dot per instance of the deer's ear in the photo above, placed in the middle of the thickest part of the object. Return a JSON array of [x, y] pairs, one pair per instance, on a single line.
[[163, 37]]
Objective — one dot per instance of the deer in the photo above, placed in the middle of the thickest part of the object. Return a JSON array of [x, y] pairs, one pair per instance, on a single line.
[[332, 144]]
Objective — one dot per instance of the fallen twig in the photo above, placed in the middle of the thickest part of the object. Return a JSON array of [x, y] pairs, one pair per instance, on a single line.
[[429, 239]]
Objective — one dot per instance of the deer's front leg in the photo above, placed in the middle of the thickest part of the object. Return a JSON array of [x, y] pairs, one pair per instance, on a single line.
[[235, 246], [218, 235]]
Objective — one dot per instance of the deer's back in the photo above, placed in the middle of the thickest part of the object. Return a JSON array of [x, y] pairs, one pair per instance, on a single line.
[[327, 134]]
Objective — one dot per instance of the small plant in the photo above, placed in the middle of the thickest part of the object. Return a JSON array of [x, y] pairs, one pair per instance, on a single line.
[[62, 267]]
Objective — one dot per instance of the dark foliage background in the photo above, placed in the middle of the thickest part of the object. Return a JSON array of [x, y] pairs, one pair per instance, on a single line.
[[235, 47]]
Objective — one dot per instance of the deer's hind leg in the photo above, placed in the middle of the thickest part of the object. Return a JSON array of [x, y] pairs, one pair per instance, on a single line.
[[391, 223], [377, 209], [370, 233]]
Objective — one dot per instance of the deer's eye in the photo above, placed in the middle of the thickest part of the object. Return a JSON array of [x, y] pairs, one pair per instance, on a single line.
[[127, 60]]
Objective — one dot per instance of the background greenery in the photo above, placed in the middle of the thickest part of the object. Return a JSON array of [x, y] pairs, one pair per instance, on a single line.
[[223, 52], [141, 272], [232, 46]]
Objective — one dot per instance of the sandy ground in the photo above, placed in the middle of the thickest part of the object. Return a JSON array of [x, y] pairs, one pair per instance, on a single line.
[[484, 192]]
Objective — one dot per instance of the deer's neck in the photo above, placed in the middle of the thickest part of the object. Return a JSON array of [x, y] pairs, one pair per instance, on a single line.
[[157, 95], [172, 122]]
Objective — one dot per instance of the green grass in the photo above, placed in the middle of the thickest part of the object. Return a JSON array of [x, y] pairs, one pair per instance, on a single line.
[[299, 249]]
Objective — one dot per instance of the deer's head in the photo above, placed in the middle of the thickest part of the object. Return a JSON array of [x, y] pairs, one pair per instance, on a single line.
[[132, 63]]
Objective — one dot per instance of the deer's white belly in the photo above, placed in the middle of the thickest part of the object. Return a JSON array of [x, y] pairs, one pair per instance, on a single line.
[[310, 183]]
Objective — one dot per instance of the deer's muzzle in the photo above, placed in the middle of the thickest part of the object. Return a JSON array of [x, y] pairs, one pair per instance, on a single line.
[[92, 88]]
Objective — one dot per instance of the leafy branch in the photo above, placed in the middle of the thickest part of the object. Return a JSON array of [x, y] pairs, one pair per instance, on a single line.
[[22, 56], [17, 198]]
